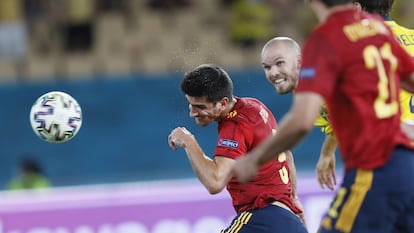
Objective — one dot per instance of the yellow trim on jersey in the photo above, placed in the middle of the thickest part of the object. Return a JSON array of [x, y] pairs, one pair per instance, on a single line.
[[349, 212], [238, 223]]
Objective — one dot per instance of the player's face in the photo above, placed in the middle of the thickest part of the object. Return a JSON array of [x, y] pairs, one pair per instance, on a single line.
[[203, 111], [281, 66]]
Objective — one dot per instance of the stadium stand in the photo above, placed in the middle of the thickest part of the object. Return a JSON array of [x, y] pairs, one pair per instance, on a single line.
[[136, 50]]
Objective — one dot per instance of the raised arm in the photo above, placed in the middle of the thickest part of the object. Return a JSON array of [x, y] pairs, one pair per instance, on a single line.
[[215, 173]]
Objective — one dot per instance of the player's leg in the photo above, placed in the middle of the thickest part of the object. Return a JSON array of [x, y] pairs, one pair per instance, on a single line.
[[373, 200], [405, 220], [353, 207], [271, 219], [409, 218], [358, 206], [405, 223]]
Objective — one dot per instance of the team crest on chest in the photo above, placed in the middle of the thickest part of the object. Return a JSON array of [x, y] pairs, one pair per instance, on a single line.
[[231, 114]]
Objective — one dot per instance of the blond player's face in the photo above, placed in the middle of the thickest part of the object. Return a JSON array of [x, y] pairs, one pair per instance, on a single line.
[[203, 111], [281, 66]]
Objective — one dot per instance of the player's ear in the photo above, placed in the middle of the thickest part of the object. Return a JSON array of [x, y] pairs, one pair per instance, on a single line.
[[357, 6], [299, 61], [223, 103]]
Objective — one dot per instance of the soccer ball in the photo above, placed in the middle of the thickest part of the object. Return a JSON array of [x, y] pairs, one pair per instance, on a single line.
[[56, 117]]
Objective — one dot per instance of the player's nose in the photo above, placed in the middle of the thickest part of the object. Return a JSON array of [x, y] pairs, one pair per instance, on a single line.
[[193, 112], [274, 71]]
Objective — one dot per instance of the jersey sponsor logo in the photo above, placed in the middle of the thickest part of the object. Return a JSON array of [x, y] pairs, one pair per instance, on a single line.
[[307, 72], [228, 143]]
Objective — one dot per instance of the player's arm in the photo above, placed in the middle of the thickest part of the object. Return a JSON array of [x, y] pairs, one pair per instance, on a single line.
[[213, 174], [293, 128], [325, 168]]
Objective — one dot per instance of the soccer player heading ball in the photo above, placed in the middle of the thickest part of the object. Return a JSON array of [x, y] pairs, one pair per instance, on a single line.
[[266, 204]]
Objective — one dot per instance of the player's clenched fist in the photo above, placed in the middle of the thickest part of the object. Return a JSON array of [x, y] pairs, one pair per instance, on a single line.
[[179, 137]]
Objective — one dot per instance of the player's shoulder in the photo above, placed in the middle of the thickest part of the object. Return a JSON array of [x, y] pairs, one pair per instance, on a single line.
[[249, 102], [246, 110]]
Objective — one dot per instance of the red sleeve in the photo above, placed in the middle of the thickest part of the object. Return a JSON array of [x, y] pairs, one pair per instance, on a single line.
[[321, 63], [233, 140]]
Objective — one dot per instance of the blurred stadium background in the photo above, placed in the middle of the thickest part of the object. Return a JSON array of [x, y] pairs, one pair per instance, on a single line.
[[123, 61]]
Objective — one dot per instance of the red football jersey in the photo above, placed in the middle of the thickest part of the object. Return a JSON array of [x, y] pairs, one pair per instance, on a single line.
[[355, 63], [248, 124]]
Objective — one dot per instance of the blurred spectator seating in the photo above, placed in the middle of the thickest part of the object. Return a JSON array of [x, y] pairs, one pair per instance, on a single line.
[[81, 38], [251, 23], [13, 39]]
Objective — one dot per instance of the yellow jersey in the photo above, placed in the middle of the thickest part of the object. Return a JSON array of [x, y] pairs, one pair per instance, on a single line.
[[406, 38]]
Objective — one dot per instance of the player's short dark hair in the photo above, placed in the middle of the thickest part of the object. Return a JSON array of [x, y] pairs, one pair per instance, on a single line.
[[382, 7], [208, 80], [331, 3]]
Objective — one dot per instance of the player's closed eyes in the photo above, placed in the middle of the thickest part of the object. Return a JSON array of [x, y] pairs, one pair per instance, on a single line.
[[200, 107]]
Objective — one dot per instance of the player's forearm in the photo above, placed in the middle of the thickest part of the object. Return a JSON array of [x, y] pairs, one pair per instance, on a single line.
[[329, 145], [204, 168]]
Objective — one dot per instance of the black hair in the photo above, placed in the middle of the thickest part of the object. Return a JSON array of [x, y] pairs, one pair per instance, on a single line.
[[331, 3], [382, 7], [208, 80]]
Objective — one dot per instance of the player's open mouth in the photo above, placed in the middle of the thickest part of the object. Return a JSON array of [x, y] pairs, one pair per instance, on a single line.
[[279, 81]]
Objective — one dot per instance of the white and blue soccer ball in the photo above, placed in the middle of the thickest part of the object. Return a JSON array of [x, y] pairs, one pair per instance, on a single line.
[[56, 117]]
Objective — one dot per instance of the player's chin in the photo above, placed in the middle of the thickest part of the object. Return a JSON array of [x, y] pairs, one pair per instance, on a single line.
[[283, 90]]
